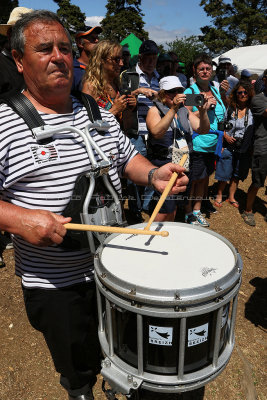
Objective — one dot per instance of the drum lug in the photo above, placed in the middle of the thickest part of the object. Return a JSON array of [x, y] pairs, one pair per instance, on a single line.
[[119, 381], [177, 296]]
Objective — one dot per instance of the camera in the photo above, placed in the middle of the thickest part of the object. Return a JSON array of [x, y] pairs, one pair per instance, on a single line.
[[212, 107], [196, 100], [225, 126], [222, 75], [238, 143]]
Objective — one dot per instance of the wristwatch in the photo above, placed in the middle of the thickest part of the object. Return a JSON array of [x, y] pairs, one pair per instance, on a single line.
[[150, 176]]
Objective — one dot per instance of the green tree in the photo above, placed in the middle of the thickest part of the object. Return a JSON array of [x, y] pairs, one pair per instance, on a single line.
[[6, 7], [122, 18], [71, 16], [235, 23], [187, 48]]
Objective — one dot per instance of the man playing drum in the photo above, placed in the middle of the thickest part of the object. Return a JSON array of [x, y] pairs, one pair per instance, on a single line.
[[36, 183]]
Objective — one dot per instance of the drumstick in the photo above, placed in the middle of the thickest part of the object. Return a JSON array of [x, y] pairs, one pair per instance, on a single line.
[[114, 229], [165, 193]]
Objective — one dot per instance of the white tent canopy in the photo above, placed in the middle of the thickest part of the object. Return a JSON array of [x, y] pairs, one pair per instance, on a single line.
[[252, 58]]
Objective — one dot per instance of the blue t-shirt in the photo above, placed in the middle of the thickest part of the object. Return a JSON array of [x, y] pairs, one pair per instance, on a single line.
[[78, 72], [207, 143]]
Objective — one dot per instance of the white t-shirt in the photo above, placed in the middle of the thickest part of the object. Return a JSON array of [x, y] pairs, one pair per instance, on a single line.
[[34, 176]]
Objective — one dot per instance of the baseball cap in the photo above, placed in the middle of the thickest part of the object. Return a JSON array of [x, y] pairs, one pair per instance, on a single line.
[[169, 83], [148, 47], [224, 60], [245, 73], [15, 15], [88, 30]]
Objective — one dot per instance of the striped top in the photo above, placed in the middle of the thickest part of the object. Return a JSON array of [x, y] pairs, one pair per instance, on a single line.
[[144, 103], [35, 176]]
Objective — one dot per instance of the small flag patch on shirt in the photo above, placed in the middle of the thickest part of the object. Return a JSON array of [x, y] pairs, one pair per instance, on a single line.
[[44, 153]]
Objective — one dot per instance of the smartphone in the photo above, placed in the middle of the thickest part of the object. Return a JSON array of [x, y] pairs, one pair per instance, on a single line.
[[222, 75], [196, 100], [123, 91]]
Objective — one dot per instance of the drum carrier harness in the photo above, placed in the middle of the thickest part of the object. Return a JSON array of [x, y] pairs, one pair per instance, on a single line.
[[94, 199]]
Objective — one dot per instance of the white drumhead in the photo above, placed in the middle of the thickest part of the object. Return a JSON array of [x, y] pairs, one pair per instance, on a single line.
[[187, 258]]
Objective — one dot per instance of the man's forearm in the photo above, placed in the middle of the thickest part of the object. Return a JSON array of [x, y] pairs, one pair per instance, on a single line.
[[10, 217], [137, 170], [38, 227]]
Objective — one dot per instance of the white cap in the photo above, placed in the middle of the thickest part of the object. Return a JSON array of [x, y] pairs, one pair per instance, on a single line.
[[169, 83], [224, 60], [15, 15]]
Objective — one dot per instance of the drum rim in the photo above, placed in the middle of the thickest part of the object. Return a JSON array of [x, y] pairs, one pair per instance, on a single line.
[[171, 296]]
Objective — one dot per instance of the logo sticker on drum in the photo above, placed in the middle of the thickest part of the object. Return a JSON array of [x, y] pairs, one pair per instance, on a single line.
[[198, 335], [160, 335]]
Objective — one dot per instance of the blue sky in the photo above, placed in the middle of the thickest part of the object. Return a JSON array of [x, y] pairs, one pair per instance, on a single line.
[[164, 19]]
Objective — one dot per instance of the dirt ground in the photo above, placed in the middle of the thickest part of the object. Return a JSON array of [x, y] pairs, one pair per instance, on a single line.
[[26, 370]]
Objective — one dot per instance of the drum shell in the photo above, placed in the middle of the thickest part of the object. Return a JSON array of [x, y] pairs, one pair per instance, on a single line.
[[120, 338]]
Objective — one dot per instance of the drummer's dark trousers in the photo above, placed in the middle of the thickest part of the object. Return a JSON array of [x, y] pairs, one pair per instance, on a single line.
[[68, 320]]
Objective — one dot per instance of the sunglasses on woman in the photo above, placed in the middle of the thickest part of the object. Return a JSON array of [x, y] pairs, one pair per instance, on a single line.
[[175, 90], [242, 92]]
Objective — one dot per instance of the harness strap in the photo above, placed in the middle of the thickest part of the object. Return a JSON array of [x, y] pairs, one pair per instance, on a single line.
[[24, 108]]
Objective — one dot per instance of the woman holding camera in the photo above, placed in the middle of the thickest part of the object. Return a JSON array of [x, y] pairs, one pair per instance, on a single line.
[[170, 127], [204, 146], [102, 78], [233, 165]]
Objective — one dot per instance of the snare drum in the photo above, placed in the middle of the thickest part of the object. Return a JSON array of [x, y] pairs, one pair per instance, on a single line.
[[166, 307]]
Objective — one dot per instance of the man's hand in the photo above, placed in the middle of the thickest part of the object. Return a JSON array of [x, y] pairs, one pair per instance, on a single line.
[[42, 228], [163, 174], [150, 93], [224, 86]]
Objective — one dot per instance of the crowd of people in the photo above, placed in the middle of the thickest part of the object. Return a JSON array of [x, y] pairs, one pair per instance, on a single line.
[[155, 114]]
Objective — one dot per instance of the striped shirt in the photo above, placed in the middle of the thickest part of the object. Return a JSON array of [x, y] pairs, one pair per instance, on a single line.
[[35, 176], [144, 103]]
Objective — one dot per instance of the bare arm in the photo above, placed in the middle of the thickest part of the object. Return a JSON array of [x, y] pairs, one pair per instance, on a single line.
[[158, 126], [150, 93], [138, 168], [38, 227]]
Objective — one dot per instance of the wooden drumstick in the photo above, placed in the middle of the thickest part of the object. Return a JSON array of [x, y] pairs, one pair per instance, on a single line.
[[114, 229], [165, 193]]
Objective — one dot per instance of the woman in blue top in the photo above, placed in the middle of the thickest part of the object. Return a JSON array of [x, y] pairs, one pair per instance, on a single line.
[[170, 127], [203, 156], [233, 165]]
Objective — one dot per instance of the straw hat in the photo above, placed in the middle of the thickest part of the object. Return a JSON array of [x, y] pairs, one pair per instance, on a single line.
[[15, 15]]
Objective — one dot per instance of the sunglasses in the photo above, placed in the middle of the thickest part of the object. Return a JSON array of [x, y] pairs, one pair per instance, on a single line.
[[242, 92], [177, 90]]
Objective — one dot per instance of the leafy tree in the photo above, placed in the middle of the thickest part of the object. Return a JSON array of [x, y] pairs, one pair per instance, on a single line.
[[6, 7], [71, 16], [187, 48], [122, 18], [236, 23]]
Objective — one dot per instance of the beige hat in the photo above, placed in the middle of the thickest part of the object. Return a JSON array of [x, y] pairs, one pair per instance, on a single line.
[[15, 15]]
